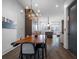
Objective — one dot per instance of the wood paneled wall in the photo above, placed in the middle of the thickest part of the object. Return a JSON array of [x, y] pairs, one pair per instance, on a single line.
[[28, 22]]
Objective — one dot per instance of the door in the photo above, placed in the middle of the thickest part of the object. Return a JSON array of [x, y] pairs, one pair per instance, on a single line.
[[72, 30]]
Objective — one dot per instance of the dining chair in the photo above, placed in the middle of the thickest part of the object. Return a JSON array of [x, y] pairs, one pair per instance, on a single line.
[[48, 34], [43, 46], [28, 49]]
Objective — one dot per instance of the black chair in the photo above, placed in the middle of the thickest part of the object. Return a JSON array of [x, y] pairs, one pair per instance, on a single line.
[[44, 49], [58, 35], [48, 34], [28, 49]]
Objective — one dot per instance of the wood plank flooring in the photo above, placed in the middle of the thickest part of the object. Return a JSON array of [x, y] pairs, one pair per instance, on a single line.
[[54, 51]]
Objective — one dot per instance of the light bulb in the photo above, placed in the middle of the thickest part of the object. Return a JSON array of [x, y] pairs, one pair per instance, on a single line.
[[57, 6], [21, 11], [27, 7], [37, 14], [29, 15], [38, 11], [36, 5], [48, 24]]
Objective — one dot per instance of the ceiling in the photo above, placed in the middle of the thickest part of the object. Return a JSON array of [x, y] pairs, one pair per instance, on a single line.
[[46, 7]]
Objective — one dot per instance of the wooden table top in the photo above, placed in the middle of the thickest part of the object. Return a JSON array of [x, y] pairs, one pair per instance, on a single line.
[[39, 39]]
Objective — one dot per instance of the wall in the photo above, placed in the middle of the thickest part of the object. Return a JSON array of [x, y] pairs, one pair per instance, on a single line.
[[11, 9], [67, 3]]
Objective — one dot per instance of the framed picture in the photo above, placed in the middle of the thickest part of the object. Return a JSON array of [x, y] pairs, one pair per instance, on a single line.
[[8, 23]]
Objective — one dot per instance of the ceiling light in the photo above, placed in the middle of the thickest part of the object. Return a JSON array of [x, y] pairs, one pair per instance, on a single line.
[[57, 5], [27, 7], [37, 14], [48, 24], [29, 15], [33, 15], [21, 11], [36, 5], [65, 5], [38, 11]]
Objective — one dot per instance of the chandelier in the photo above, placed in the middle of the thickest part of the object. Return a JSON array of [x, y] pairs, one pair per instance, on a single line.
[[30, 13]]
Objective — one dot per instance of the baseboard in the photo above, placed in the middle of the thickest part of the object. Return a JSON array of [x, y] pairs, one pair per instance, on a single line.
[[8, 50], [70, 53]]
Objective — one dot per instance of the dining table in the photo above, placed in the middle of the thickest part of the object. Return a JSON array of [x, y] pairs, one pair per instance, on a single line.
[[32, 39]]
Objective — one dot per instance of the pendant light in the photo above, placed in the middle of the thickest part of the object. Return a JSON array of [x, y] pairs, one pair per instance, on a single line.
[[48, 25], [48, 22]]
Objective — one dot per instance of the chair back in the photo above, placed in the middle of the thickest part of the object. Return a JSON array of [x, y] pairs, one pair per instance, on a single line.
[[27, 48], [48, 34]]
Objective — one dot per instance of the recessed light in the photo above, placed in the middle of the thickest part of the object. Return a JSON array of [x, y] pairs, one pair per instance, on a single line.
[[65, 5], [57, 5], [27, 7], [36, 5], [21, 11]]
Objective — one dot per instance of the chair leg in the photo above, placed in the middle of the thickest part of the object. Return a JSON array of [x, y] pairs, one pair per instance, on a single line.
[[34, 56], [45, 52], [42, 53], [38, 53], [21, 56], [30, 56]]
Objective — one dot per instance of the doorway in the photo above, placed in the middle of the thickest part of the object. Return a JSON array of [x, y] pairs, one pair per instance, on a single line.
[[72, 27]]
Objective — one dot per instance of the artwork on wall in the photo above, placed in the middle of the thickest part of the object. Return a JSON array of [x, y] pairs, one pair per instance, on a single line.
[[8, 23]]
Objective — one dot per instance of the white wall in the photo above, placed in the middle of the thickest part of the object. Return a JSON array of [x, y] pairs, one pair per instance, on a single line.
[[66, 18], [11, 9]]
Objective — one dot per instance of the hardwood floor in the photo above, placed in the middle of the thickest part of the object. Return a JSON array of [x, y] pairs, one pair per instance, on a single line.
[[60, 53], [54, 51]]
